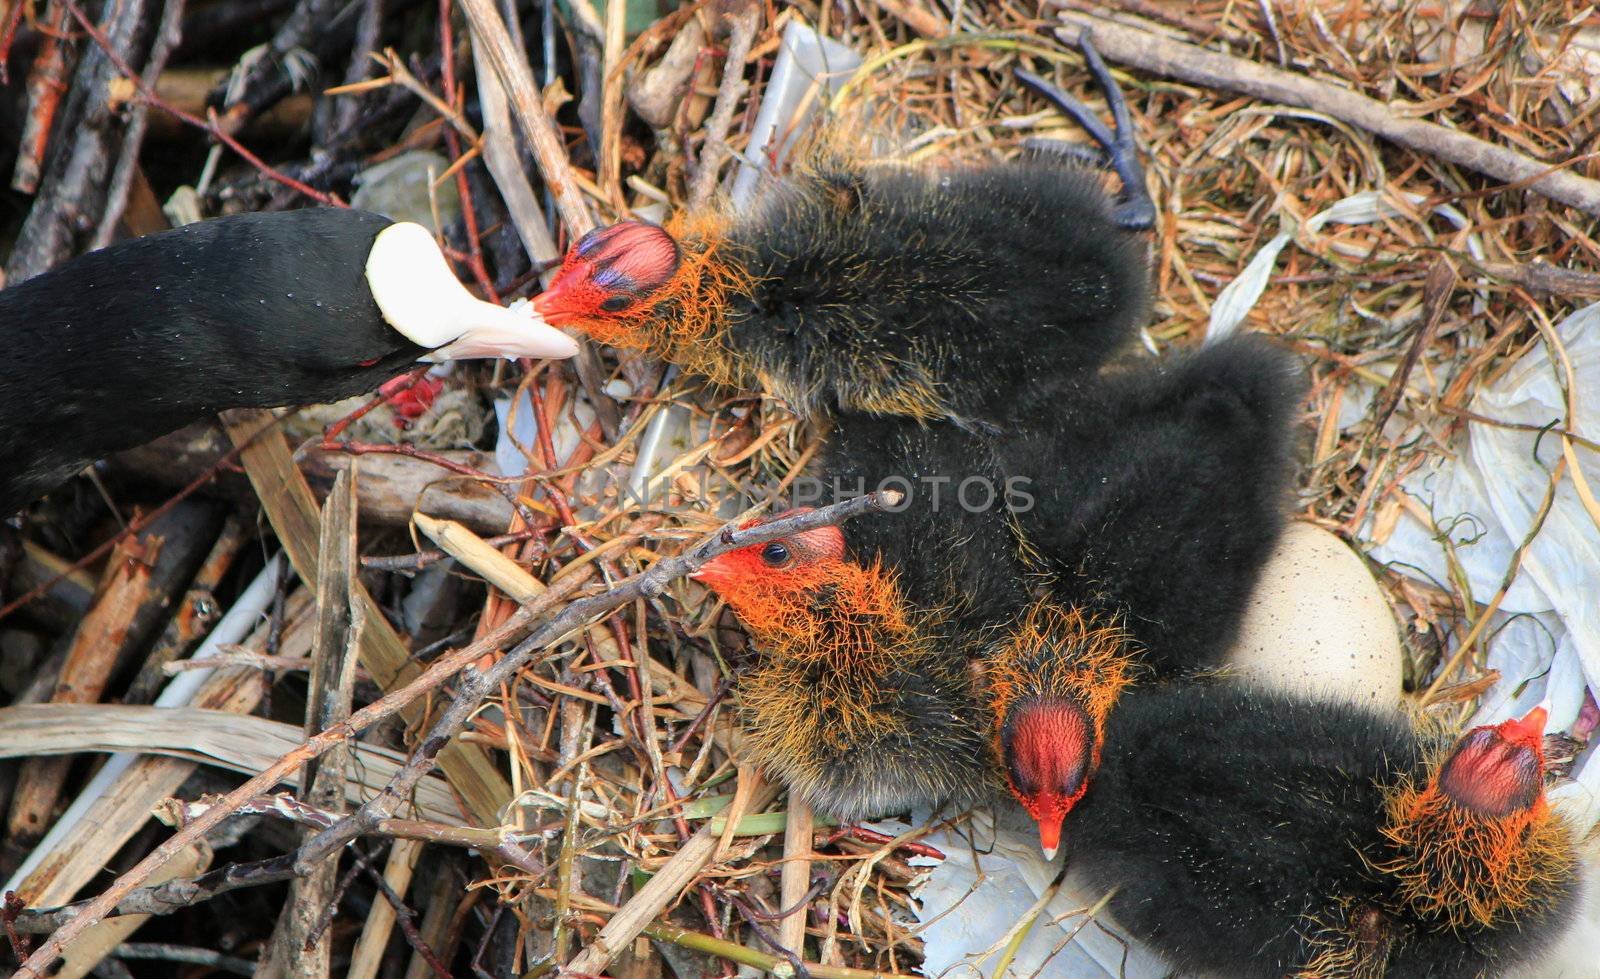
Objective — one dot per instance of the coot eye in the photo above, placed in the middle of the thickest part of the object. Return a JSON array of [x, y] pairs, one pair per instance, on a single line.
[[616, 304], [775, 554]]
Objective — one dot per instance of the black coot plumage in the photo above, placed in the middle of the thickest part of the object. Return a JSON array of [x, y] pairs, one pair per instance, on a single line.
[[1157, 491], [125, 344]]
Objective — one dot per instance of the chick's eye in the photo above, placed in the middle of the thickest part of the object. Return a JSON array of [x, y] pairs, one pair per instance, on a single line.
[[775, 554], [616, 304]]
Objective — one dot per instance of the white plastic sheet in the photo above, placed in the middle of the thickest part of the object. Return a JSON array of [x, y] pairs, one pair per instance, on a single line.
[[992, 876], [1485, 499], [809, 68]]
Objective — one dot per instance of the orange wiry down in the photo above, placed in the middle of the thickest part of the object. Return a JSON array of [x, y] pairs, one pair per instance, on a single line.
[[839, 611], [1469, 869], [838, 644], [792, 705], [684, 321], [1354, 944], [1060, 653]]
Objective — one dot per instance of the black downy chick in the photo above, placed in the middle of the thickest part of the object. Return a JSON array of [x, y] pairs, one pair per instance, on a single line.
[[128, 343], [1158, 491], [1253, 834], [887, 290], [860, 696], [1153, 495]]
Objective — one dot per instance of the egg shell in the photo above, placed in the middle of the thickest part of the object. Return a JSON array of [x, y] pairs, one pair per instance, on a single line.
[[1318, 624]]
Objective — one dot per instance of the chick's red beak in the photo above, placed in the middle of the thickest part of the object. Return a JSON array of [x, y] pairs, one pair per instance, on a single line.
[[1529, 730], [1050, 831], [555, 303], [711, 572]]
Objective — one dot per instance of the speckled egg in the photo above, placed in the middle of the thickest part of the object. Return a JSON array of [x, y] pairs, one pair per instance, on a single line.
[[1318, 624]]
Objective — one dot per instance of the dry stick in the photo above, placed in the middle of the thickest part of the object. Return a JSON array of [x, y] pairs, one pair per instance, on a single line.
[[476, 686], [922, 21], [1436, 293], [609, 151], [90, 663], [374, 941], [715, 149], [773, 964], [1199, 66], [292, 510], [169, 896], [795, 881], [492, 42], [661, 890], [285, 806], [527, 105], [168, 32], [505, 164], [303, 943], [649, 584], [47, 83]]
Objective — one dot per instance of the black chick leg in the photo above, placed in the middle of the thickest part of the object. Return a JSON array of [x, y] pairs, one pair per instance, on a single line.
[[1135, 211]]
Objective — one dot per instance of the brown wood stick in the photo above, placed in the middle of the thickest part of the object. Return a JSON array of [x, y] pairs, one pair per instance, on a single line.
[[651, 583], [90, 662], [795, 879], [374, 941], [293, 512], [117, 815], [303, 944], [527, 107], [510, 65], [659, 891], [714, 151], [1200, 66]]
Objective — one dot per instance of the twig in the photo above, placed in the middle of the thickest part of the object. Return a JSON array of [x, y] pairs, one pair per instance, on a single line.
[[367, 956], [527, 105], [761, 960], [609, 152], [1436, 295], [285, 806], [1199, 66], [493, 43], [795, 878], [47, 81], [168, 32], [292, 510], [333, 658], [77, 179], [148, 93], [476, 686], [165, 898], [715, 148], [650, 584]]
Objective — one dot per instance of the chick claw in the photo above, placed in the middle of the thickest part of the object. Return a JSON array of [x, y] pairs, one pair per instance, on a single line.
[[1135, 211]]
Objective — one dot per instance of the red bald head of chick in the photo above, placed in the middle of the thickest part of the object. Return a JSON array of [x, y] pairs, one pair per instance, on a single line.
[[610, 274], [1049, 747], [1497, 770], [1051, 684]]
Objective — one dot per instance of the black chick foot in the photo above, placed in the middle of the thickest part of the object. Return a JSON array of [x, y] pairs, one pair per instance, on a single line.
[[1135, 210]]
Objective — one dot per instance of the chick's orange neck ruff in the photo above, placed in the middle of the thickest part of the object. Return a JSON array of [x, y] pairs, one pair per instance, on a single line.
[[1478, 843]]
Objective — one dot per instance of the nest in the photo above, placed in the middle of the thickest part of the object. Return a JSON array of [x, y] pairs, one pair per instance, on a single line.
[[601, 778]]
